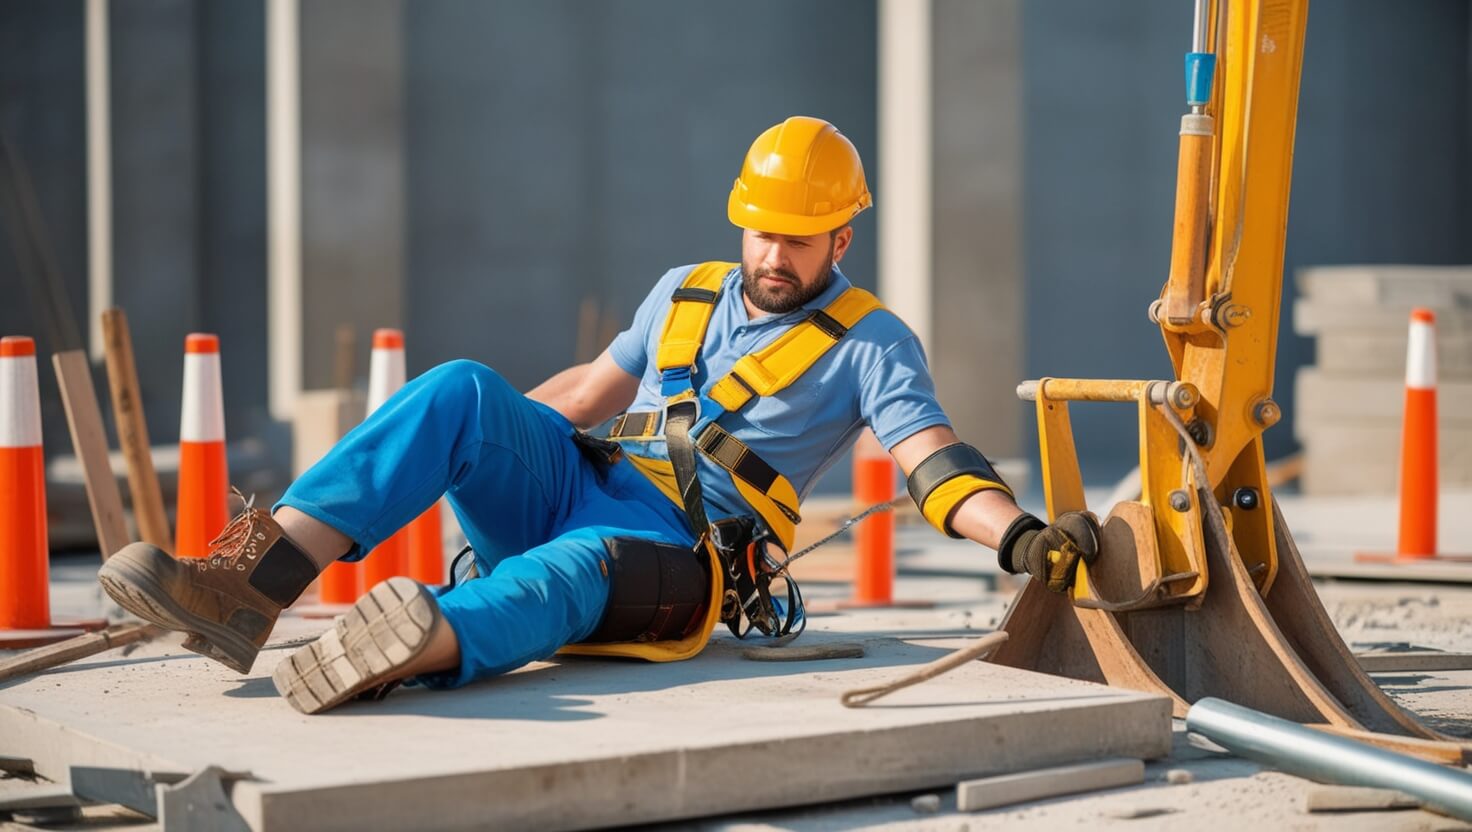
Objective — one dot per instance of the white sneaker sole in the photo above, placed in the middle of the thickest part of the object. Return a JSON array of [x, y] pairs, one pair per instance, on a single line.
[[367, 646]]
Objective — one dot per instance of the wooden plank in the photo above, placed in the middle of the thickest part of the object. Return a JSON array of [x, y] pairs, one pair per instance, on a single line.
[[991, 792], [89, 440], [127, 410], [1357, 799], [80, 647], [1413, 661]]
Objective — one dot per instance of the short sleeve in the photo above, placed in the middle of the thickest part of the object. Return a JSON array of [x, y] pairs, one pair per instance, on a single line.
[[630, 348], [897, 394]]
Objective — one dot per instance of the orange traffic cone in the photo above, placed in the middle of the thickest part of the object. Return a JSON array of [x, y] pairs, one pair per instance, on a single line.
[[204, 478], [25, 606], [386, 375], [1416, 541], [1418, 486]]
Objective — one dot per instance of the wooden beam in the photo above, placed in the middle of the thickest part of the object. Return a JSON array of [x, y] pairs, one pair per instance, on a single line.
[[89, 440], [1025, 786], [80, 647], [127, 410]]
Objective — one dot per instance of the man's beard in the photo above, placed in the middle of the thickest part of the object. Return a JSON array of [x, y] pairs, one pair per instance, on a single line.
[[793, 296]]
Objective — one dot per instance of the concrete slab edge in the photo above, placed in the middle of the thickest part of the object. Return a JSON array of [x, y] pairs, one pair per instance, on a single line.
[[689, 783]]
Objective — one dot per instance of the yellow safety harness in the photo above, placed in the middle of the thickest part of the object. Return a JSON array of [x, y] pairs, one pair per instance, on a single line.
[[763, 373], [689, 421]]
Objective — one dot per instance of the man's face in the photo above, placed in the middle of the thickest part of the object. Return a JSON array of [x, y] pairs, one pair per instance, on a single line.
[[780, 273]]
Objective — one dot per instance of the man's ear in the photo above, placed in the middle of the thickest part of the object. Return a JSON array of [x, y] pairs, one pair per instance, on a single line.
[[841, 238]]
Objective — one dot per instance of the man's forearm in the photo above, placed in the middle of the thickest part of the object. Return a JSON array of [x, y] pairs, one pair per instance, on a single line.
[[560, 393], [984, 516]]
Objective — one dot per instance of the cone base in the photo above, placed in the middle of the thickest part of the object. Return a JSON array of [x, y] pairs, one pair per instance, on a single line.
[[58, 631], [1409, 560]]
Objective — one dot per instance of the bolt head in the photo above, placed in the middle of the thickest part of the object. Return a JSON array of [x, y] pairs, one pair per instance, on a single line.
[[1180, 500], [1246, 498], [1267, 413]]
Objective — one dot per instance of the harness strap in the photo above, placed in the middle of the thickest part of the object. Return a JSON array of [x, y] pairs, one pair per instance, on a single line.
[[690, 312], [783, 361]]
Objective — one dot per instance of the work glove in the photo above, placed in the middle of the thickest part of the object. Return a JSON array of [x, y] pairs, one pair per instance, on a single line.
[[1051, 554]]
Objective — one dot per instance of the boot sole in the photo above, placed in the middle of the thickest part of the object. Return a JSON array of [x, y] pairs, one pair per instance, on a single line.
[[383, 632], [135, 588]]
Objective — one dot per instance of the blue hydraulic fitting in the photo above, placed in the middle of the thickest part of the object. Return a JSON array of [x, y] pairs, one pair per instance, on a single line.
[[1200, 66]]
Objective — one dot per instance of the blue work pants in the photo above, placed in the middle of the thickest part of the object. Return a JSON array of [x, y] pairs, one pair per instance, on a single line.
[[535, 509]]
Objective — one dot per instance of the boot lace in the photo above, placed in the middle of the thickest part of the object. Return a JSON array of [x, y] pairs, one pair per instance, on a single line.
[[240, 539]]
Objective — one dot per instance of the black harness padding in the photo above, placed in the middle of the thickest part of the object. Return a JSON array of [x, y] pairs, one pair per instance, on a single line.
[[946, 464], [657, 591]]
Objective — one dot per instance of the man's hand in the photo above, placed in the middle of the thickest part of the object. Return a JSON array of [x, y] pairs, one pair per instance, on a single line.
[[1051, 554]]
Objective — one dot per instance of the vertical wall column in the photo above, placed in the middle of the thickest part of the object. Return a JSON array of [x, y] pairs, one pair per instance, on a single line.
[[99, 172], [283, 206], [978, 339], [352, 175], [903, 192]]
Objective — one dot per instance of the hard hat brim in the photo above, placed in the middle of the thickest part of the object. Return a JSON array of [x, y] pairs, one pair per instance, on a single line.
[[744, 215]]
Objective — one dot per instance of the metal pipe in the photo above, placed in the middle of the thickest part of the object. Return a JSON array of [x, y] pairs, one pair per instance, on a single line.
[[1292, 748], [1200, 31], [1179, 394]]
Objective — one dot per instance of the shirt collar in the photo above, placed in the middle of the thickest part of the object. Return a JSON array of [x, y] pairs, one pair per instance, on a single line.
[[837, 286]]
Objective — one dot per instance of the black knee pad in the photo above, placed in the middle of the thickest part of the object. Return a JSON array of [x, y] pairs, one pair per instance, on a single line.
[[657, 592]]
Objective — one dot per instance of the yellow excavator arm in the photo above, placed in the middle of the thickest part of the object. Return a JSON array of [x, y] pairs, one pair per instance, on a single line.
[[1198, 589]]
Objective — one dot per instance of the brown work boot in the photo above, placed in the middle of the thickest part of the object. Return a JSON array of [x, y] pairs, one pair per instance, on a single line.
[[365, 653], [227, 601]]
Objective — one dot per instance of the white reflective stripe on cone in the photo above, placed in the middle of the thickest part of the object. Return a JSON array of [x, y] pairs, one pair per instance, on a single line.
[[385, 376], [20, 403], [1421, 356], [203, 415]]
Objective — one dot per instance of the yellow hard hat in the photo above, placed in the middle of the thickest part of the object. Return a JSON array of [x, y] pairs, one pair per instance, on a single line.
[[801, 177]]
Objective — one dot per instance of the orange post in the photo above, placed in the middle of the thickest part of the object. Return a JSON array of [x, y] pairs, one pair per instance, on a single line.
[[204, 476], [427, 548], [386, 374], [874, 535], [1418, 477], [24, 569]]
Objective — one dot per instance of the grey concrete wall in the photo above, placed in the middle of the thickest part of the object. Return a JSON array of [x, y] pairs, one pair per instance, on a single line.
[[562, 150], [1381, 175], [232, 199], [187, 89], [42, 112], [353, 223], [977, 237], [188, 196], [157, 210]]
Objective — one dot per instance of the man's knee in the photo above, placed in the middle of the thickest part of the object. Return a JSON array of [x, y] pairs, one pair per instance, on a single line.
[[466, 378]]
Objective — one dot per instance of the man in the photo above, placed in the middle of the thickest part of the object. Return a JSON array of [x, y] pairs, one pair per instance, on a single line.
[[739, 384]]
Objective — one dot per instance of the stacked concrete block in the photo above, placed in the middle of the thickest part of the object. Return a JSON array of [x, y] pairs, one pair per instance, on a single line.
[[1349, 403]]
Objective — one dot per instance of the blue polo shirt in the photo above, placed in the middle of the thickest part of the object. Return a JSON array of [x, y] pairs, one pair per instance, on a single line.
[[875, 375]]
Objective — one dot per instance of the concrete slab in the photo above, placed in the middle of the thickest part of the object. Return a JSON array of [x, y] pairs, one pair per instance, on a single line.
[[576, 743]]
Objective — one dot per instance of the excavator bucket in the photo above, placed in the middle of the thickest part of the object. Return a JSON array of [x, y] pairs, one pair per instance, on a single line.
[[1279, 654]]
